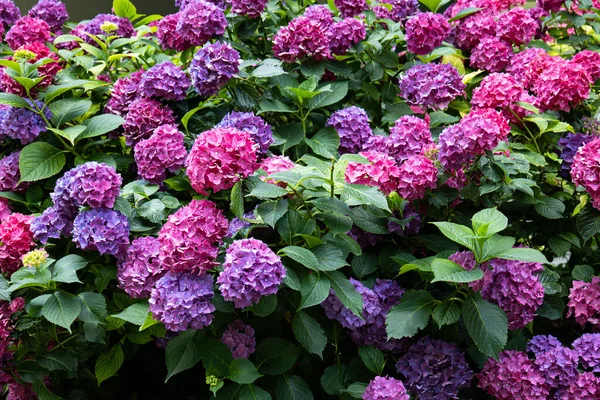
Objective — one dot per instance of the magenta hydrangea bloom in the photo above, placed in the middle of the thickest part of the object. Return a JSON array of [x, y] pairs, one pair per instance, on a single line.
[[585, 170], [513, 286], [466, 259], [585, 386], [562, 86], [182, 301], [550, 5], [259, 129], [335, 310], [10, 174], [569, 145], [51, 224], [302, 37], [520, 63], [587, 348], [102, 230], [350, 8], [512, 376], [320, 13], [584, 301], [275, 164], [431, 85], [403, 9], [199, 21], [54, 12], [542, 343], [16, 239], [492, 54], [144, 116], [94, 27], [163, 151], [590, 60], [517, 26], [352, 125], [165, 81], [141, 268], [95, 185], [124, 92], [213, 65], [188, 240], [22, 124], [47, 71], [498, 91], [425, 32], [219, 158], [239, 337], [27, 30], [558, 366], [9, 13], [168, 36], [251, 271], [251, 9], [434, 369], [472, 29], [415, 176], [385, 388], [5, 210], [345, 34], [381, 172]]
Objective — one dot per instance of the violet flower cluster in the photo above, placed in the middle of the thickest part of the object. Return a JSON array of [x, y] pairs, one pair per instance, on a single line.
[[584, 302], [199, 21], [352, 125], [163, 151], [385, 388], [10, 174], [259, 129], [431, 85], [239, 337], [144, 116], [21, 123], [103, 230], [165, 81], [212, 66], [53, 12], [141, 268]]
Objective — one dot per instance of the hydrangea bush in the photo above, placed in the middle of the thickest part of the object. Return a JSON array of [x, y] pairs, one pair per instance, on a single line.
[[380, 200]]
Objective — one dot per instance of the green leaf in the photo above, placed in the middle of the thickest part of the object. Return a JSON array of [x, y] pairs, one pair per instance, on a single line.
[[302, 256], [309, 333], [243, 371], [4, 292], [552, 308], [550, 208], [432, 5], [39, 387], [274, 106], [324, 99], [236, 203], [265, 307], [330, 257], [182, 352], [216, 355], [292, 387], [449, 271], [109, 363], [124, 8], [465, 12], [489, 221], [446, 313], [588, 222], [364, 265], [373, 359], [487, 324], [355, 195], [100, 125], [275, 356], [153, 211], [314, 289], [333, 379], [337, 223], [325, 143], [458, 233], [40, 160], [13, 100], [264, 190], [523, 254], [559, 246], [582, 273], [93, 307], [495, 245], [356, 390], [271, 212], [58, 360], [70, 133], [61, 309], [135, 313], [253, 392], [66, 110], [346, 293], [410, 315], [65, 269], [268, 68]]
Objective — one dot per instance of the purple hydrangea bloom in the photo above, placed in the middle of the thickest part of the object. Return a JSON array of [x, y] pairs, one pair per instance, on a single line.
[[22, 124], [302, 37], [513, 376], [350, 8], [51, 224], [402, 9], [213, 65], [259, 130], [9, 13], [409, 136], [182, 301], [585, 386], [251, 270], [200, 20], [251, 9], [320, 13], [345, 34], [27, 30], [588, 350], [569, 146], [163, 151], [352, 124], [124, 92], [144, 116], [434, 369], [168, 36], [385, 388], [513, 286], [102, 230], [239, 337], [431, 85], [165, 81], [334, 309], [542, 343], [141, 268], [558, 366], [54, 12], [94, 27], [10, 174], [425, 32], [95, 185], [236, 225]]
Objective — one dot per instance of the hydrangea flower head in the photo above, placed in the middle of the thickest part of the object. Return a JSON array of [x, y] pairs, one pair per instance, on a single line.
[[352, 125], [585, 386], [558, 366], [385, 388], [9, 13], [350, 8], [587, 348], [275, 164], [431, 85], [472, 29], [434, 369], [125, 90], [302, 37], [239, 337], [409, 136], [27, 30], [425, 32], [51, 224], [334, 309], [10, 174], [590, 60], [550, 5], [144, 116], [415, 176], [199, 21], [182, 301], [492, 54], [517, 26], [251, 9], [403, 9], [163, 151], [381, 171], [54, 12], [213, 65], [569, 145], [499, 91], [219, 158], [102, 230], [94, 27], [168, 36], [188, 240], [585, 170], [95, 185], [35, 258], [141, 269], [346, 33], [259, 129], [320, 13], [165, 81], [16, 239], [47, 71], [520, 64], [542, 343], [251, 271], [562, 86], [22, 124]]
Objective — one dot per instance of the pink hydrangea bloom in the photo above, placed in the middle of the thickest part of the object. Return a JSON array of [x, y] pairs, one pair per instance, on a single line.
[[16, 239], [590, 60], [188, 240], [416, 175], [536, 66], [517, 26], [385, 388], [320, 13], [472, 29], [219, 158], [251, 9], [425, 32], [381, 171], [492, 54], [409, 136], [168, 36], [143, 117], [585, 170], [584, 302], [302, 37], [350, 8], [519, 63], [163, 151], [346, 33], [562, 86], [199, 21], [27, 30], [498, 91], [585, 386], [276, 164]]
